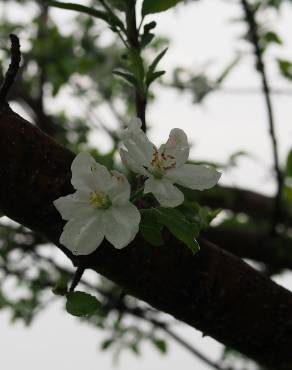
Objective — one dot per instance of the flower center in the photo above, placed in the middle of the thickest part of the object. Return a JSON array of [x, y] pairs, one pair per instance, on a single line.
[[99, 199], [160, 163]]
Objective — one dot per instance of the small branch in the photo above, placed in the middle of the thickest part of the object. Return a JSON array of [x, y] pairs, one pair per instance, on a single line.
[[253, 29], [76, 278], [133, 40], [162, 326], [12, 70]]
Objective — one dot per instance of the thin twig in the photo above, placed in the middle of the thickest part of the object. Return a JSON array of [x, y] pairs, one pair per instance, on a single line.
[[12, 69], [176, 337], [76, 278], [138, 312], [253, 30]]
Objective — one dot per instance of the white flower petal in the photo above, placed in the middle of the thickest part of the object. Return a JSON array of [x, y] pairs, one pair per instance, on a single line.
[[120, 191], [84, 233], [88, 175], [164, 191], [176, 147], [196, 177], [139, 146], [131, 164], [121, 224], [71, 204], [134, 124]]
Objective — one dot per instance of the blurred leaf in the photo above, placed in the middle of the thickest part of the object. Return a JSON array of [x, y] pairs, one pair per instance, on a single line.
[[157, 6], [60, 288], [160, 344], [285, 68], [81, 304], [271, 37], [130, 78], [289, 164], [81, 9], [147, 36], [106, 344], [151, 74]]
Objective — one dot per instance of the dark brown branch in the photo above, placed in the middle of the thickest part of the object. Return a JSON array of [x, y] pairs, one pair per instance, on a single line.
[[12, 69], [255, 39], [254, 245], [213, 291], [76, 278], [133, 40]]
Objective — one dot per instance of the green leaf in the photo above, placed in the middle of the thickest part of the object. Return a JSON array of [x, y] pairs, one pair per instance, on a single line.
[[285, 68], [126, 76], [179, 226], [60, 288], [154, 77], [137, 67], [160, 344], [106, 344], [147, 36], [289, 164], [157, 6], [155, 62], [150, 74], [81, 304], [81, 9], [150, 228], [271, 37]]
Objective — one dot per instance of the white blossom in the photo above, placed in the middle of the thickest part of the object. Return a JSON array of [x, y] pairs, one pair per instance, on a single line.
[[165, 166], [99, 208]]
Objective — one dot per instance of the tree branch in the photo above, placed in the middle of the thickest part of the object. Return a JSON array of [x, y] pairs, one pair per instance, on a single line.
[[12, 70], [253, 30], [213, 291], [133, 40]]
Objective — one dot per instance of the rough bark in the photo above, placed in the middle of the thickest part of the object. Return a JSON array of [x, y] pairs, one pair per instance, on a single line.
[[213, 291]]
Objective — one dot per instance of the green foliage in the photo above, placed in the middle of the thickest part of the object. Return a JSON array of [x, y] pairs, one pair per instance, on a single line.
[[81, 304], [289, 164], [157, 6], [179, 226], [81, 9], [152, 75], [150, 228], [147, 35], [285, 68], [160, 344]]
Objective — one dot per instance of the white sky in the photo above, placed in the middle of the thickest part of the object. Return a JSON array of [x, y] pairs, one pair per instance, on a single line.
[[225, 124]]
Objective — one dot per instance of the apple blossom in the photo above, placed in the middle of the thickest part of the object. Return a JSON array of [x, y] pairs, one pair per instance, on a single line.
[[165, 166], [99, 208]]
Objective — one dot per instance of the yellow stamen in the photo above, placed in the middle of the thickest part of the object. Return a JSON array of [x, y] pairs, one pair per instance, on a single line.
[[99, 199]]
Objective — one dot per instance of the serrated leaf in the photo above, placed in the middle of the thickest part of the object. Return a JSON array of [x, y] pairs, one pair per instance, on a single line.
[[81, 304], [157, 6], [179, 226]]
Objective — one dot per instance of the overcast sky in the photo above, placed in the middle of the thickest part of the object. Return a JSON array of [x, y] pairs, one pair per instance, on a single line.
[[225, 124]]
